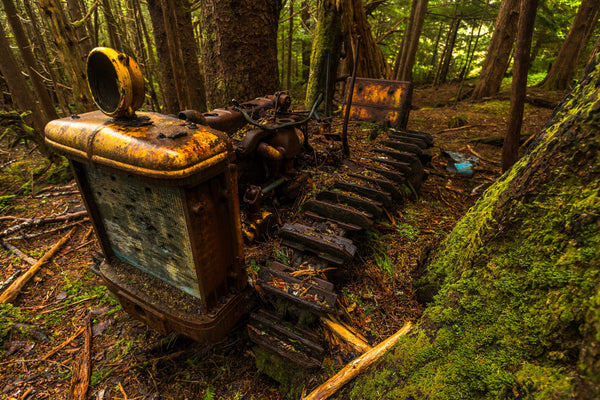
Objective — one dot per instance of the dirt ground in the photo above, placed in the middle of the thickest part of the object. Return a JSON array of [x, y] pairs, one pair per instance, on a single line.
[[40, 332]]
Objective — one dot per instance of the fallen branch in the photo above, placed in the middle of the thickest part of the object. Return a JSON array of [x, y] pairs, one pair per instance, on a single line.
[[18, 253], [41, 221], [355, 367], [64, 344], [9, 280], [16, 287], [34, 235], [55, 194], [480, 157], [80, 380], [460, 128], [359, 344]]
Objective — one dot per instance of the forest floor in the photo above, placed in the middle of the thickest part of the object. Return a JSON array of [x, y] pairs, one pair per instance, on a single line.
[[130, 361]]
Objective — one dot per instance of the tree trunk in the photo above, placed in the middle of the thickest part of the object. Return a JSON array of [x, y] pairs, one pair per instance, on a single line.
[[517, 313], [510, 150], [501, 44], [304, 18], [432, 71], [288, 82], [111, 26], [327, 42], [410, 42], [448, 52], [562, 70], [19, 90], [371, 63], [84, 38], [65, 41], [169, 92], [46, 104], [240, 60], [194, 77]]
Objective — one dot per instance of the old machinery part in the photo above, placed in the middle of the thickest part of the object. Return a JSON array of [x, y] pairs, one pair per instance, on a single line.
[[115, 81]]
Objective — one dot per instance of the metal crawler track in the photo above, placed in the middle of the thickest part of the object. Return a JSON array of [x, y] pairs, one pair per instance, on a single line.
[[324, 238]]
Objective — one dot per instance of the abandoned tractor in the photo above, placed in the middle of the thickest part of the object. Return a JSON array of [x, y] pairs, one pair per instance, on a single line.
[[173, 198]]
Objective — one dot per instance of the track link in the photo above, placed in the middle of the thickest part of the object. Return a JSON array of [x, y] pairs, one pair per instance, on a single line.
[[324, 240]]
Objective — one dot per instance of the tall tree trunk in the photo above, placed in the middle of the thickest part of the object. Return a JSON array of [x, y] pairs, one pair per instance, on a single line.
[[84, 38], [20, 91], [501, 44], [46, 104], [449, 51], [111, 26], [194, 77], [43, 50], [169, 92], [65, 41], [433, 63], [327, 42], [410, 41], [240, 60], [510, 150], [304, 18], [371, 63], [288, 82], [563, 68]]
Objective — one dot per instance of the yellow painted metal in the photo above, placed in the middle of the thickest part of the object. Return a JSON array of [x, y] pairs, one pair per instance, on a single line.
[[115, 81], [378, 100], [156, 146]]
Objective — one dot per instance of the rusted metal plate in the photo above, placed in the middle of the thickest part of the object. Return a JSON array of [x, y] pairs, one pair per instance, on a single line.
[[380, 100], [338, 212], [373, 194], [369, 206], [153, 145]]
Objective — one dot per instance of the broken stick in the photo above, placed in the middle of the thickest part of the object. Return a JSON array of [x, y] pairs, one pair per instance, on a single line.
[[80, 380], [40, 221], [14, 289], [358, 344], [355, 367], [18, 253]]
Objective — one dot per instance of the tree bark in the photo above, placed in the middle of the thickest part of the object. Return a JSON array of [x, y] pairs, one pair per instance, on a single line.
[[501, 44], [448, 51], [194, 77], [65, 41], [46, 104], [410, 41], [563, 68], [371, 63], [288, 82], [169, 92], [19, 90], [84, 38], [111, 26], [240, 60], [327, 42]]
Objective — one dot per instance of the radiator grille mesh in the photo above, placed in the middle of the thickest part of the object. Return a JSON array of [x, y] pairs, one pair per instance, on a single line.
[[146, 227]]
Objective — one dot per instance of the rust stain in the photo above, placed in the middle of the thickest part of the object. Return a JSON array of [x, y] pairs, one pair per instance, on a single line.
[[378, 100]]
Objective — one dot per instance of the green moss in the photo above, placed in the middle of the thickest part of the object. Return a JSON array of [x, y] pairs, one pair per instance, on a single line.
[[517, 310]]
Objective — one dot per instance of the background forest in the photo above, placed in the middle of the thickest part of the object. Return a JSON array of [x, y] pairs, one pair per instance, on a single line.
[[198, 55]]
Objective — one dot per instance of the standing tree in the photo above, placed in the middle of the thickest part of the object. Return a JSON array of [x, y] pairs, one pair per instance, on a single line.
[[498, 55], [239, 49], [47, 106], [510, 150], [405, 60], [563, 68]]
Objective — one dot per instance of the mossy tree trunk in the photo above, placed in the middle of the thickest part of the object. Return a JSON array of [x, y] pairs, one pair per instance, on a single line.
[[515, 310], [240, 59], [327, 41]]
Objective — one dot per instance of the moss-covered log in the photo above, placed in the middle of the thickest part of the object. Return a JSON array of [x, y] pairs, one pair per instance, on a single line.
[[516, 312]]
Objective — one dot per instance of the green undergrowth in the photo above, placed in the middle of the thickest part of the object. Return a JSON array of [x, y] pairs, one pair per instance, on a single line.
[[515, 288]]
